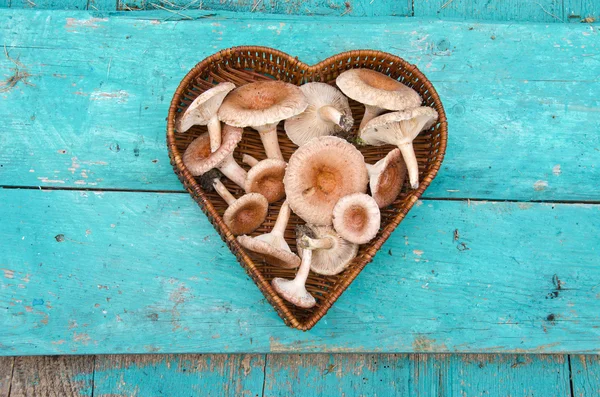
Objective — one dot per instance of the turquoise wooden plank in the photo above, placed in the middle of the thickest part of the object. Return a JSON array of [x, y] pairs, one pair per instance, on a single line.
[[522, 89], [582, 10], [496, 10], [416, 375], [50, 4], [102, 5], [361, 8], [586, 375], [93, 272], [181, 375]]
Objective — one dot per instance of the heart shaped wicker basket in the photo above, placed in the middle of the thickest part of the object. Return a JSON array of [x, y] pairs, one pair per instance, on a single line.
[[242, 65]]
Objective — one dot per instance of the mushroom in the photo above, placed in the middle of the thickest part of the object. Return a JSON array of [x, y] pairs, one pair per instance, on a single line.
[[400, 129], [261, 106], [331, 253], [265, 177], [244, 215], [321, 172], [294, 291], [198, 158], [203, 111], [328, 113], [386, 178], [356, 218], [377, 92], [272, 247]]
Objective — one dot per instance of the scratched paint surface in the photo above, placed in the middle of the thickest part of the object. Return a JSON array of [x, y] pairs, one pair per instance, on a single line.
[[115, 272], [286, 375], [102, 113], [498, 10]]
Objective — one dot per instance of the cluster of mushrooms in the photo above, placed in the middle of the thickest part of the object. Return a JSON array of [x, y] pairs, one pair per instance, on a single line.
[[324, 181]]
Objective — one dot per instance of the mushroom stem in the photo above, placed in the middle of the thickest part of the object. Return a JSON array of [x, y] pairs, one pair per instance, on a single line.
[[316, 243], [408, 154], [214, 131], [302, 275], [232, 170], [223, 192], [370, 113], [268, 136], [282, 220], [333, 115], [370, 168], [247, 159]]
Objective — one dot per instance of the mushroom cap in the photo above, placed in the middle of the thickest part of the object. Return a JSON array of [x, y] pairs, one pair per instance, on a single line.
[[321, 172], [398, 127], [266, 178], [272, 255], [204, 107], [309, 124], [262, 102], [376, 89], [356, 218], [246, 214], [386, 178], [293, 293], [197, 157], [333, 260]]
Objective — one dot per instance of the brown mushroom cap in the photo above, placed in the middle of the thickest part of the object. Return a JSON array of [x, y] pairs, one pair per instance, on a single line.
[[197, 157], [246, 214], [377, 89], [261, 103], [321, 172], [328, 261], [204, 107], [386, 178], [270, 254], [328, 113], [356, 218], [266, 178]]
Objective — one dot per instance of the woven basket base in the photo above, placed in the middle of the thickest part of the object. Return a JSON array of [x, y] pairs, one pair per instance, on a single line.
[[242, 65]]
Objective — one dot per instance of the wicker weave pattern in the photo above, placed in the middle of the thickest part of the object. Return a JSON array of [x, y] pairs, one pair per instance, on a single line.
[[242, 65]]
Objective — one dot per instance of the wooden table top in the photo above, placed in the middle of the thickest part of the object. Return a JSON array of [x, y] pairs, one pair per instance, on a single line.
[[102, 251]]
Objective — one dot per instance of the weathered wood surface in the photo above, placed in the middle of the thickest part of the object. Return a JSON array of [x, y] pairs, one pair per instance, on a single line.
[[497, 10], [181, 375], [311, 375], [56, 376], [6, 371], [523, 96], [586, 375], [114, 272]]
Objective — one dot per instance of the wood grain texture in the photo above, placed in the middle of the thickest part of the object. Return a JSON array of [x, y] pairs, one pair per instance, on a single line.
[[57, 376], [74, 5], [181, 375], [416, 375], [586, 375], [360, 8], [578, 10], [90, 272], [496, 10], [102, 5], [102, 113], [6, 371]]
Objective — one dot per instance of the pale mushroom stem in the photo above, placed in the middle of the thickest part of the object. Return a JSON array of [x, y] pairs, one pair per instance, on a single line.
[[232, 170], [410, 158], [268, 136], [282, 220], [370, 168], [316, 243], [370, 113], [214, 131], [302, 275], [223, 192], [251, 161], [333, 115]]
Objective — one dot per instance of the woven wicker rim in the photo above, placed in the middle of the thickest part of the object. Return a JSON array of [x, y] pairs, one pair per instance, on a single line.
[[300, 72]]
